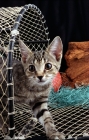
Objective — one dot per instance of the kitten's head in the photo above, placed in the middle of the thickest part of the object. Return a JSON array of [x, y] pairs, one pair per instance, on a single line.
[[41, 66]]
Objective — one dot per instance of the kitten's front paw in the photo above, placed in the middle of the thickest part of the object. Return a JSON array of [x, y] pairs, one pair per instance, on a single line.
[[7, 137], [57, 136], [14, 138], [26, 130]]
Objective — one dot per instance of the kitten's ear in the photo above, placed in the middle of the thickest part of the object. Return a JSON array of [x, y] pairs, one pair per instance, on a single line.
[[56, 48], [25, 51]]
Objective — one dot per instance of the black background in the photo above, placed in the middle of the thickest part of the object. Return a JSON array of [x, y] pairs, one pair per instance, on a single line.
[[68, 19]]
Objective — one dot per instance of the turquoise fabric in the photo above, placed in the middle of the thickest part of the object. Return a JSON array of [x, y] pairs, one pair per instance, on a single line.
[[67, 96]]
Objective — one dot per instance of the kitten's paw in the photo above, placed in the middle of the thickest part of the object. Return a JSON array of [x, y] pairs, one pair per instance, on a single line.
[[14, 138], [57, 136], [26, 130], [7, 138], [53, 133]]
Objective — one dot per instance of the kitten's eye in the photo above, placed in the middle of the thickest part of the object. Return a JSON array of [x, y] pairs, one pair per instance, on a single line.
[[32, 68], [48, 66]]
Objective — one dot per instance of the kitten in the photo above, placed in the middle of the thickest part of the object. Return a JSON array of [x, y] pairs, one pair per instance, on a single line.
[[32, 81]]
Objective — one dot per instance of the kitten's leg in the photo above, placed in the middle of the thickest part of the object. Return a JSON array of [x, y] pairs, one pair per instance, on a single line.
[[40, 110]]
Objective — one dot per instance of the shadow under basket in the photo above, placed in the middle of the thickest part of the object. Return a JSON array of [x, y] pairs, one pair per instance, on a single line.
[[29, 24]]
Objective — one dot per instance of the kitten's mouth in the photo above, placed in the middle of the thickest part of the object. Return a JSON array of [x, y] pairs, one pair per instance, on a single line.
[[41, 81]]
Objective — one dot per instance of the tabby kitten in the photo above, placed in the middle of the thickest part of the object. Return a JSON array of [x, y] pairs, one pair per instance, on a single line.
[[32, 81]]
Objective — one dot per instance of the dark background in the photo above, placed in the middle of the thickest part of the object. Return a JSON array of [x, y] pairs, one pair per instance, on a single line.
[[68, 19]]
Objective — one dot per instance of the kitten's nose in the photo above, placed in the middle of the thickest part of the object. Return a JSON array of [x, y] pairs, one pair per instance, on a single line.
[[40, 77]]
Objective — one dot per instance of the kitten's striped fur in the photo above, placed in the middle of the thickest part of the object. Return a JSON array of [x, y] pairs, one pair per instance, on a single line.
[[32, 81]]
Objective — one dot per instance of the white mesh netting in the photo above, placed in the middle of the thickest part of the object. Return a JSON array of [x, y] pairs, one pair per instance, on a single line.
[[33, 31], [7, 18]]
